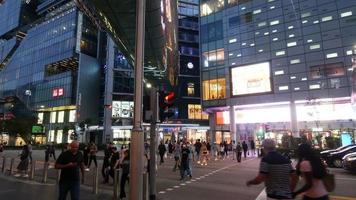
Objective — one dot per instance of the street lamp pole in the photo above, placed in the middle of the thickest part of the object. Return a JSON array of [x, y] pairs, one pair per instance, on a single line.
[[136, 146]]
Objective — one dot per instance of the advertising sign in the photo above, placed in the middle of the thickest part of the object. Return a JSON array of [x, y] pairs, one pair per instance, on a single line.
[[251, 79], [353, 83], [122, 109]]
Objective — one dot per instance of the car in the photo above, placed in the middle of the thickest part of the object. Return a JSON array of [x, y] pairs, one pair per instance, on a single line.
[[334, 159], [324, 154], [349, 162]]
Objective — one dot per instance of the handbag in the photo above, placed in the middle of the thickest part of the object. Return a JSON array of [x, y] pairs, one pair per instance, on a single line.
[[329, 182]]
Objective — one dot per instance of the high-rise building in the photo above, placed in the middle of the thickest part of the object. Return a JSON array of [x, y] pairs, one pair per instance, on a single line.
[[49, 61], [275, 67]]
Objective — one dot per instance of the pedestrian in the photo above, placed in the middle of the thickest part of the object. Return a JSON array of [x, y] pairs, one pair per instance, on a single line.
[[50, 151], [208, 146], [238, 152], [184, 164], [170, 148], [23, 165], [312, 171], [106, 163], [253, 147], [197, 147], [161, 150], [125, 167], [1, 149], [70, 163], [226, 148], [234, 152], [92, 154], [222, 151], [245, 148], [177, 150], [114, 162], [277, 173], [86, 151], [204, 151]]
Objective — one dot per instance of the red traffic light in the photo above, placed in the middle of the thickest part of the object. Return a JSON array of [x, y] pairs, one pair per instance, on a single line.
[[169, 97]]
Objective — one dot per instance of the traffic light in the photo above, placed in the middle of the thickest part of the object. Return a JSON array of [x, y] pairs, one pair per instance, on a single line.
[[166, 101]]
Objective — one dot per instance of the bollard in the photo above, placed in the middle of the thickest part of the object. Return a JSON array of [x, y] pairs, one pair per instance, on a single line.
[[96, 180], [45, 172], [58, 176], [33, 168], [145, 186], [3, 164], [12, 166], [117, 176]]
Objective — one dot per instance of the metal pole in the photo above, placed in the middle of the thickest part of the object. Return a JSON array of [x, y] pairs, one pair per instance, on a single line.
[[3, 164], [136, 146], [12, 166], [58, 175], [96, 181], [153, 135], [145, 186], [32, 172], [45, 172], [116, 183]]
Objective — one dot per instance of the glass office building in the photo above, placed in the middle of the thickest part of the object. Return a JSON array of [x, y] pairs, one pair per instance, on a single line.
[[48, 54], [275, 67]]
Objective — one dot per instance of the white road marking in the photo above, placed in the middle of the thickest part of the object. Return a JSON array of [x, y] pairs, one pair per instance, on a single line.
[[162, 192], [188, 182], [346, 179], [169, 189], [177, 186], [182, 184], [262, 195]]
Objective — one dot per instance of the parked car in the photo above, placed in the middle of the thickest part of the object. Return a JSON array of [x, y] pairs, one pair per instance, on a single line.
[[334, 159], [324, 154], [349, 162]]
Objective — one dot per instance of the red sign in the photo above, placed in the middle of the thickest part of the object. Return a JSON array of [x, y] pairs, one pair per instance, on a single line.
[[57, 92]]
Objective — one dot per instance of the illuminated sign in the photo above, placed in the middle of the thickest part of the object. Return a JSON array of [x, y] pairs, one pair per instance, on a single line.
[[57, 92], [122, 109], [251, 79], [223, 118]]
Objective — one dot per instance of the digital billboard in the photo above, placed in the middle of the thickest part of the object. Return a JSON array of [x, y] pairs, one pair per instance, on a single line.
[[251, 79], [122, 109]]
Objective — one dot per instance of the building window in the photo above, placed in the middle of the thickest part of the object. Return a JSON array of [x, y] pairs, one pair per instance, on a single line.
[[291, 36], [275, 39], [314, 86], [280, 53], [60, 117], [291, 44], [325, 19], [296, 88], [213, 58], [51, 136], [275, 22], [290, 27], [195, 112], [40, 118], [331, 55], [234, 21], [72, 114], [261, 24], [190, 89], [306, 14], [214, 89], [315, 46], [247, 17], [281, 88], [279, 72], [53, 117], [295, 61], [207, 7], [346, 14], [257, 11], [69, 140], [232, 40], [59, 138], [329, 70]]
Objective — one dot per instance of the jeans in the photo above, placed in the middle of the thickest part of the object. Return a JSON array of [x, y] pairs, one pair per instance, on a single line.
[[185, 167], [65, 187], [238, 156], [92, 157], [124, 178]]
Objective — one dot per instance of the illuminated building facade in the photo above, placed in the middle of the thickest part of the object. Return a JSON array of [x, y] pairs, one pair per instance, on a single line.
[[284, 66]]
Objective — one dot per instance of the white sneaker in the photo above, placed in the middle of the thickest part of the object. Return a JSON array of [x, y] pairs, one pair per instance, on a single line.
[[87, 169], [17, 175]]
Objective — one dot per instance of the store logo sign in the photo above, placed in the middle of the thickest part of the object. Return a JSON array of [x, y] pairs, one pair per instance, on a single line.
[[57, 92]]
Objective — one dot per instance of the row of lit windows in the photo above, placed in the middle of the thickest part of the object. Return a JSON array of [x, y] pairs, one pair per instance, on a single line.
[[57, 117], [214, 89], [195, 112], [57, 136]]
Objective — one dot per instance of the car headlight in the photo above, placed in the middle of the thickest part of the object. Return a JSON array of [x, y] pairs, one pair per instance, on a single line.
[[351, 158]]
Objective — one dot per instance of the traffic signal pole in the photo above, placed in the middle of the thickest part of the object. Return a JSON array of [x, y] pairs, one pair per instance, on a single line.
[[153, 143], [136, 145]]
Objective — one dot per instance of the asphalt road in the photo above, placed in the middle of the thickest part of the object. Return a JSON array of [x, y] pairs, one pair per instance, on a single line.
[[222, 179]]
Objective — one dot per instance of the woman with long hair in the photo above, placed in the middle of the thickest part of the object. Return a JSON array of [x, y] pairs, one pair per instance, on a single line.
[[312, 170]]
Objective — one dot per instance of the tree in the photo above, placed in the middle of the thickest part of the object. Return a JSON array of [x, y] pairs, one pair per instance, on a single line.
[[21, 126]]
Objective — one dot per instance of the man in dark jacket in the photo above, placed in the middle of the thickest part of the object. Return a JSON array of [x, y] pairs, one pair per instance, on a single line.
[[106, 163], [245, 148], [161, 150]]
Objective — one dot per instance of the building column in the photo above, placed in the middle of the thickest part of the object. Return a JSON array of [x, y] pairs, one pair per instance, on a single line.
[[109, 79], [233, 124], [294, 120], [212, 125]]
